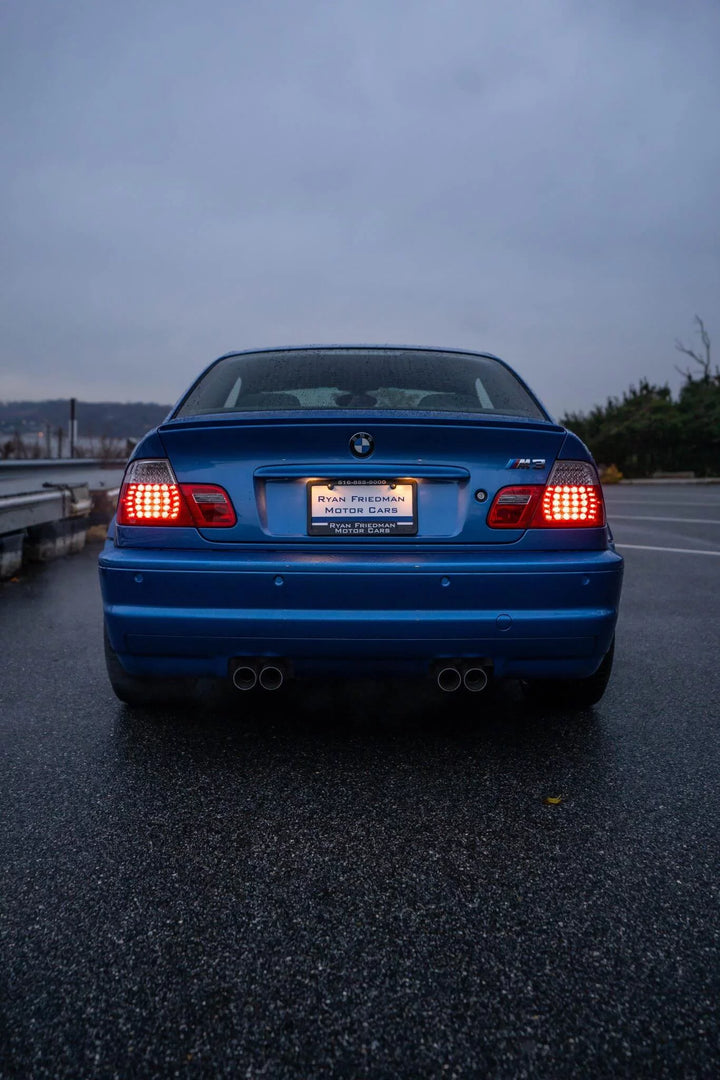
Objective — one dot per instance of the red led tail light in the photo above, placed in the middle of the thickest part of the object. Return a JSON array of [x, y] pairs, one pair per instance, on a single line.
[[571, 505], [571, 499], [150, 495], [152, 504]]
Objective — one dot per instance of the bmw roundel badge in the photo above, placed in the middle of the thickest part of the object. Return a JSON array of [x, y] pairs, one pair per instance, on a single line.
[[362, 444]]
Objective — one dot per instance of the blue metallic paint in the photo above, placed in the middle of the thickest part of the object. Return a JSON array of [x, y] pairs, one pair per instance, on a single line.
[[172, 612]]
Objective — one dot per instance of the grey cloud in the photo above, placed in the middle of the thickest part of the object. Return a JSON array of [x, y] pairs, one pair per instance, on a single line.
[[535, 179]]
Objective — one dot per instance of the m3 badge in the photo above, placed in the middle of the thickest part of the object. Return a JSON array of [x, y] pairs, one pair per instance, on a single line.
[[526, 463]]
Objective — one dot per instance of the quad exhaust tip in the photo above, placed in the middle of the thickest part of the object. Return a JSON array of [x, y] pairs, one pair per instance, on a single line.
[[244, 677], [449, 679], [473, 677], [267, 676], [271, 677]]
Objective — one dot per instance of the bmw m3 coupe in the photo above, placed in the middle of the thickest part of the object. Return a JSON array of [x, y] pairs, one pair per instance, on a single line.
[[360, 511]]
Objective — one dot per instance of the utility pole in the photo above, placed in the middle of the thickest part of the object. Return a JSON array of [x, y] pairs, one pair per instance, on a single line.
[[60, 434], [73, 427]]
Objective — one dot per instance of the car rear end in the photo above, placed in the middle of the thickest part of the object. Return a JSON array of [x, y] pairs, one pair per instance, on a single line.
[[360, 511]]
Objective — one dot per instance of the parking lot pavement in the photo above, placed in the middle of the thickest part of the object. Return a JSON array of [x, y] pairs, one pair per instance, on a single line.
[[682, 517], [366, 881]]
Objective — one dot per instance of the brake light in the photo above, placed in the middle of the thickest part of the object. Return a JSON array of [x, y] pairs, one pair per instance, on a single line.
[[151, 495], [566, 504], [152, 504], [572, 498]]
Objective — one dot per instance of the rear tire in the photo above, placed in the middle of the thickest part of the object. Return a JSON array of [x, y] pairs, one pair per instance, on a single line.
[[142, 691], [572, 693]]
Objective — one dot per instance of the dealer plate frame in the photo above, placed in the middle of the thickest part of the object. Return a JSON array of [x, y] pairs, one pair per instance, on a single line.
[[367, 525]]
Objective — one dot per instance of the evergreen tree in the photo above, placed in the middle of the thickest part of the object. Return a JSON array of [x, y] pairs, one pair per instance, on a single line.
[[647, 431]]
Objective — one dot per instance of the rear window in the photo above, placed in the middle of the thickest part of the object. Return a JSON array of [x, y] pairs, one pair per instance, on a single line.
[[360, 379]]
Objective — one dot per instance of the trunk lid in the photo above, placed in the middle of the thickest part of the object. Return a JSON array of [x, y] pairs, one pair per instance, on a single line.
[[266, 464]]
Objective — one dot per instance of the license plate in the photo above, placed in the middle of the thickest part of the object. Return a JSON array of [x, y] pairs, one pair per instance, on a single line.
[[362, 508]]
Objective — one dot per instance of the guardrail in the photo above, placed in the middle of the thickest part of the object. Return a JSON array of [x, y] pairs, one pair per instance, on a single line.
[[47, 506]]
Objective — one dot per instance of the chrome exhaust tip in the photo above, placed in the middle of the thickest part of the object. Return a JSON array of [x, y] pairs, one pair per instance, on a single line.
[[475, 679], [244, 677], [271, 677], [449, 679]]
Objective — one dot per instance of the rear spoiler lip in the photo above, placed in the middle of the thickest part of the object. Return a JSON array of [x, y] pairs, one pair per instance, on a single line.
[[378, 417]]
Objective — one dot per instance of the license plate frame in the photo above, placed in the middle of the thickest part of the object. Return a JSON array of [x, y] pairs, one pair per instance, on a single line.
[[357, 505]]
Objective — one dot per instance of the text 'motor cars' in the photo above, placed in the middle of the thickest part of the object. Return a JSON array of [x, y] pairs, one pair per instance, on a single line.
[[360, 511]]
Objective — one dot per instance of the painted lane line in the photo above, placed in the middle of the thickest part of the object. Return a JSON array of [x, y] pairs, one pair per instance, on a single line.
[[679, 521], [677, 504], [677, 551]]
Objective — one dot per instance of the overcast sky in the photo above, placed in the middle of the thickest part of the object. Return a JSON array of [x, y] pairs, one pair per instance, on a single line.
[[535, 178]]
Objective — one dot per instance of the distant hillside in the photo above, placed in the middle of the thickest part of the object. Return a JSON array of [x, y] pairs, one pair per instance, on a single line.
[[96, 419]]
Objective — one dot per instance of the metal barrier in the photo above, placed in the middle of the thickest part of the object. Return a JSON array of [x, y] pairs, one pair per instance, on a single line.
[[47, 506]]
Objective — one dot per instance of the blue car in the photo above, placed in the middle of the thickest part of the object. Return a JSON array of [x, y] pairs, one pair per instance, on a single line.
[[359, 511]]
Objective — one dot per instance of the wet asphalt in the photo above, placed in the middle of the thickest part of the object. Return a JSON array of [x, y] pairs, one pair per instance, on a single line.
[[367, 881]]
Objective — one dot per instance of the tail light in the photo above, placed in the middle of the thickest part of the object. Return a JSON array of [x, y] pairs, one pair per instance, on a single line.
[[150, 495], [514, 507], [571, 499]]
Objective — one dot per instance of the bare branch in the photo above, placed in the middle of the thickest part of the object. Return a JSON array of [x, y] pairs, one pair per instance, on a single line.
[[704, 336], [703, 361], [689, 352]]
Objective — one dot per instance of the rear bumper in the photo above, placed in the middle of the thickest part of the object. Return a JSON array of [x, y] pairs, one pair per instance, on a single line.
[[530, 614]]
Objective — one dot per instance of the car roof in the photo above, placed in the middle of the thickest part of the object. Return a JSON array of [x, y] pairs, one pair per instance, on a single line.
[[364, 345]]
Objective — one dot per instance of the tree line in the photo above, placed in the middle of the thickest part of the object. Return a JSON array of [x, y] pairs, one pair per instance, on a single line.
[[112, 419], [647, 430]]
